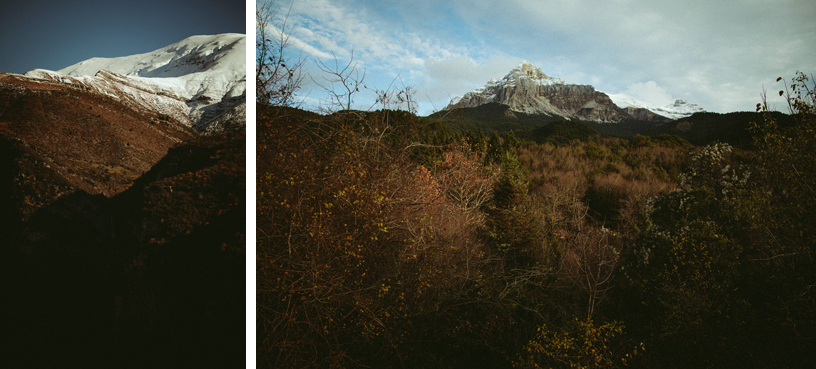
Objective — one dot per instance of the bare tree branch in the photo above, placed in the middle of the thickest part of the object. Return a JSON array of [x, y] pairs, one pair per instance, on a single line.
[[277, 77]]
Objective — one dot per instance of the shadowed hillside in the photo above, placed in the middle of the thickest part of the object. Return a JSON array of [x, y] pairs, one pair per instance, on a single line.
[[123, 234]]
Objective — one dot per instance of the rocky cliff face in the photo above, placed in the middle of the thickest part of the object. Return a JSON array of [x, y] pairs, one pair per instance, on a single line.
[[528, 90], [645, 114]]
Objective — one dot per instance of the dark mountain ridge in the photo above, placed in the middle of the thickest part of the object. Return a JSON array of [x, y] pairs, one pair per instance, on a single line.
[[699, 129]]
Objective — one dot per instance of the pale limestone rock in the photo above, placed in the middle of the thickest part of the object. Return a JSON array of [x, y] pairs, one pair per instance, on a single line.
[[527, 89]]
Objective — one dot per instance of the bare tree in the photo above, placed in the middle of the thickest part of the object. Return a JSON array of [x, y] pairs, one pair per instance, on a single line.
[[277, 76], [590, 258], [341, 83], [395, 98]]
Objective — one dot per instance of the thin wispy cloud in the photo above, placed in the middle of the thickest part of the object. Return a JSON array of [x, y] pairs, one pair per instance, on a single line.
[[295, 43]]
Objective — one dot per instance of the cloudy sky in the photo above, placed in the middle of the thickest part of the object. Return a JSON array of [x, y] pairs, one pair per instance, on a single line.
[[717, 54], [53, 34]]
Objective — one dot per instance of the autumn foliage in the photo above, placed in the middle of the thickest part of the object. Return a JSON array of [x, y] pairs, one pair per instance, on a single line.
[[387, 240], [377, 248]]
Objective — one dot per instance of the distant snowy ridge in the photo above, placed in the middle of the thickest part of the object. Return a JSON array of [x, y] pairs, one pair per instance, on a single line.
[[205, 74], [679, 109]]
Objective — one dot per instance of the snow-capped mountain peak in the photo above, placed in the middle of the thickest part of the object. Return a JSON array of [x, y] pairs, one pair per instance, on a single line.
[[214, 63], [191, 55], [206, 75], [529, 72], [528, 90]]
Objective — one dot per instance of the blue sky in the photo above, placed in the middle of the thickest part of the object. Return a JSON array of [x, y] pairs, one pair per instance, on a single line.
[[717, 54], [55, 34]]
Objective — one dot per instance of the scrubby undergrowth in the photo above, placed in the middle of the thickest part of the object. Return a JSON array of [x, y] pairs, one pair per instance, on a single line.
[[388, 240]]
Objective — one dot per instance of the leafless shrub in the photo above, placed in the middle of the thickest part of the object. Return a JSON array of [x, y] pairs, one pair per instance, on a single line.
[[589, 261], [341, 82], [277, 76]]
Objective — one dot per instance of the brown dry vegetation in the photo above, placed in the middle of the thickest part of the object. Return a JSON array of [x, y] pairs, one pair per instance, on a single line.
[[123, 234], [614, 177], [78, 139], [379, 250], [385, 241]]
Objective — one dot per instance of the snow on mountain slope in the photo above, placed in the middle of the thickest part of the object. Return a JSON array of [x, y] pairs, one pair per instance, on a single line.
[[679, 109], [139, 93], [204, 63], [524, 73], [528, 90], [206, 73]]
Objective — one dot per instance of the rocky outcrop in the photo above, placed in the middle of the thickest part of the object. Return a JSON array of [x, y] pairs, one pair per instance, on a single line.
[[528, 90], [645, 114], [227, 119]]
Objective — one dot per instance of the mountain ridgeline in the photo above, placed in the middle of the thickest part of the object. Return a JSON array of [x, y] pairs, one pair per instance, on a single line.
[[526, 100], [699, 128], [200, 80], [526, 89]]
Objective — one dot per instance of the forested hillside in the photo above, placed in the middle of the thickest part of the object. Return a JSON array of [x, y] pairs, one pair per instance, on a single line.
[[699, 129], [386, 240]]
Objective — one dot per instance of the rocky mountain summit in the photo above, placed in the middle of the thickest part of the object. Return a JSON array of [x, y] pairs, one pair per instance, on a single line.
[[527, 89]]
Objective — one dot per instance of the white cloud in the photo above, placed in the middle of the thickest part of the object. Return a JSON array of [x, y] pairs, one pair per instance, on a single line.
[[339, 28], [328, 29], [444, 79], [295, 43], [642, 40], [714, 54], [650, 93]]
